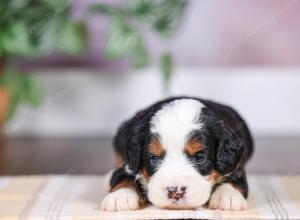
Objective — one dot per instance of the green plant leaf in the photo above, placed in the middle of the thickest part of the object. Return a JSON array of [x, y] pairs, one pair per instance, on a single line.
[[14, 103], [57, 4], [11, 81], [23, 89], [16, 4], [169, 16], [166, 65], [73, 38], [104, 9], [140, 56], [16, 40], [121, 38], [7, 77], [30, 90], [141, 8], [48, 33], [32, 28]]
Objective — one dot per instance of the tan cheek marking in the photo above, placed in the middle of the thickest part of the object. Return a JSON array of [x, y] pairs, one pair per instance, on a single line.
[[156, 147], [193, 147]]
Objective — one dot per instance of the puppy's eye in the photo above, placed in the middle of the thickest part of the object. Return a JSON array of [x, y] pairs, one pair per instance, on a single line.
[[154, 160], [199, 157]]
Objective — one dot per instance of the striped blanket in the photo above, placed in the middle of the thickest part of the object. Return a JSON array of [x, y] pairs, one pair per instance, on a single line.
[[78, 197]]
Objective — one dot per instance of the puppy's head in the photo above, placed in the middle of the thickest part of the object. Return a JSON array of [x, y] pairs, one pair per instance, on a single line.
[[185, 151]]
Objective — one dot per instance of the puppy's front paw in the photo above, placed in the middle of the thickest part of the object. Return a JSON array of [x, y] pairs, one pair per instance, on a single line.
[[227, 198], [121, 200]]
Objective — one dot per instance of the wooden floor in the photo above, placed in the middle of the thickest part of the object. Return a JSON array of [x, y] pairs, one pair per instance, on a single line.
[[94, 156]]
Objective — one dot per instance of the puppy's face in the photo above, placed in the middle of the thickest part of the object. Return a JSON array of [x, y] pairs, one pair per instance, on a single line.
[[179, 157]]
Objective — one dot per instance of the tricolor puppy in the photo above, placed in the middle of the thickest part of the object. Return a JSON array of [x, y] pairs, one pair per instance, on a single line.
[[181, 153]]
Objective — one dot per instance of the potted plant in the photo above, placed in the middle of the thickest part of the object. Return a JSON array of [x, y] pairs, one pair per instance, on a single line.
[[32, 28], [129, 24]]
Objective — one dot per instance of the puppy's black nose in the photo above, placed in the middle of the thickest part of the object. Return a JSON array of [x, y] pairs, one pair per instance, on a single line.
[[175, 192]]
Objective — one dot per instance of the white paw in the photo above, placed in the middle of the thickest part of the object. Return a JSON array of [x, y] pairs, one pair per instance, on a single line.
[[121, 200], [227, 198]]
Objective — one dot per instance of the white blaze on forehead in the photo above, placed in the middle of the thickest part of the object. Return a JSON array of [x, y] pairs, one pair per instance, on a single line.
[[175, 121]]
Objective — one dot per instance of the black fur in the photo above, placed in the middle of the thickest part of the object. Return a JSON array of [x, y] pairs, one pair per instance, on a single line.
[[120, 175], [233, 138], [225, 133]]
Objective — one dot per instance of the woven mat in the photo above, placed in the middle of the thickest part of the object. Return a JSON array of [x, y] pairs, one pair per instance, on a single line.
[[78, 197]]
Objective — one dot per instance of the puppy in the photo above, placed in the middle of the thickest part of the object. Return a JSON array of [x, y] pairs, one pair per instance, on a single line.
[[181, 153]]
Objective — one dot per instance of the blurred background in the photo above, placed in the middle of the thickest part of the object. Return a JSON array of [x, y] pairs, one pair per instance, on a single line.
[[72, 71]]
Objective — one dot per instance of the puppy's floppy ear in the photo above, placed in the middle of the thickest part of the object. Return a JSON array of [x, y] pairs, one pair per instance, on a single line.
[[229, 145], [229, 150], [129, 141], [134, 151]]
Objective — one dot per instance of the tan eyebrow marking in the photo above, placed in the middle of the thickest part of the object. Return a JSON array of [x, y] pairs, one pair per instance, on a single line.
[[156, 147], [193, 147]]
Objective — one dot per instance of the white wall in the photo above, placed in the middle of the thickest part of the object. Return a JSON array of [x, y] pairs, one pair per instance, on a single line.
[[84, 102]]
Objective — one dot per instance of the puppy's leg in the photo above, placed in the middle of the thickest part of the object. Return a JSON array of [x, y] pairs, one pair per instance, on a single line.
[[231, 193], [125, 193]]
